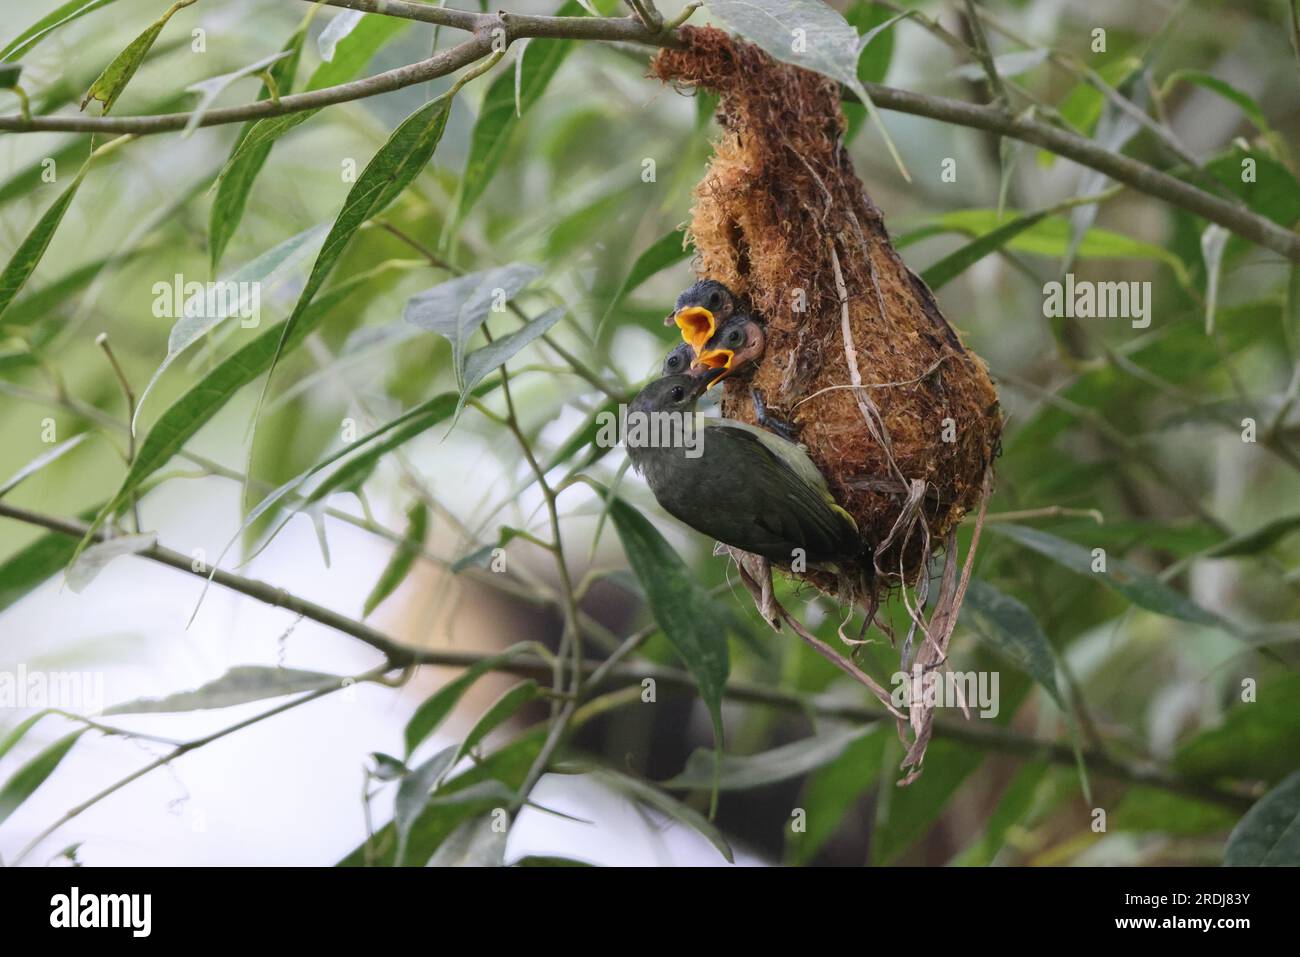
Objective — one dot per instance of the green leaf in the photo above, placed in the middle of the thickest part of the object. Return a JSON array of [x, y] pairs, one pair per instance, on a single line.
[[337, 30], [779, 764], [1141, 589], [207, 309], [239, 685], [392, 168], [1008, 65], [413, 795], [1257, 540], [33, 774], [42, 460], [1082, 106], [457, 308], [33, 246], [1152, 809], [500, 114], [651, 796], [1257, 739], [95, 558], [956, 263], [253, 146], [499, 351], [873, 21], [1269, 834], [476, 842], [508, 765], [499, 712], [1243, 101], [549, 860], [213, 87], [1011, 631], [809, 34], [684, 611], [9, 74], [831, 793], [431, 713], [399, 566], [21, 729], [47, 24], [36, 563], [1016, 801], [209, 395], [110, 84], [1050, 236], [667, 250]]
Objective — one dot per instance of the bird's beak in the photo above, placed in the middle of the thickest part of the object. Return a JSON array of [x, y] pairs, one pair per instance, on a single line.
[[697, 325], [717, 362]]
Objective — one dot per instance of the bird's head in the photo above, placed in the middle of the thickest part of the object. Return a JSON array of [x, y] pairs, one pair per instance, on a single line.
[[672, 393], [680, 360], [737, 344], [701, 309]]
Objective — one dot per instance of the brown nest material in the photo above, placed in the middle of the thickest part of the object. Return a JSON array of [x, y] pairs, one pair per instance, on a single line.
[[899, 416]]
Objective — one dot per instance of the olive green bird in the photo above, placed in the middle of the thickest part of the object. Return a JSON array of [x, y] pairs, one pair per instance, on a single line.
[[743, 486]]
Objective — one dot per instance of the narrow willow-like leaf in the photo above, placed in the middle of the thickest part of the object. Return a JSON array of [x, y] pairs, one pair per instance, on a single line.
[[1012, 631], [1141, 589], [47, 24], [1256, 540], [239, 685], [20, 730], [42, 460], [667, 805], [770, 767], [431, 713], [32, 248], [37, 563], [457, 308], [110, 84], [403, 560], [500, 351], [499, 712], [956, 263], [33, 774], [667, 250], [255, 140], [209, 308], [500, 114], [92, 560], [213, 87], [1269, 834], [681, 608]]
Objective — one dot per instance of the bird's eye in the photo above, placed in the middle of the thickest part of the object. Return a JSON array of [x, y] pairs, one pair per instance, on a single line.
[[677, 393], [715, 300], [734, 337], [674, 361]]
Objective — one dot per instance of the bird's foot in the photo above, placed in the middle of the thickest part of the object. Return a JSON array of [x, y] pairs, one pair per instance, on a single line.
[[787, 430]]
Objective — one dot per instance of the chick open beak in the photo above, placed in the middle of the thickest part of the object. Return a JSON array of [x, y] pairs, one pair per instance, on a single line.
[[697, 325], [717, 362]]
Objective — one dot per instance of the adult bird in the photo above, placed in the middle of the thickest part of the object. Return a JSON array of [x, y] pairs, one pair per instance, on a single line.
[[739, 484]]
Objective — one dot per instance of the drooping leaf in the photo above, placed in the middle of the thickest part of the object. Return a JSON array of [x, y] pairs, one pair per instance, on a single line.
[[501, 111], [42, 460], [1141, 589], [1257, 739], [95, 558], [499, 712], [33, 246], [1269, 834], [1244, 101], [457, 308], [1257, 540], [110, 84], [20, 730], [957, 262], [338, 29], [38, 562], [413, 795], [214, 304], [213, 87], [9, 74], [477, 842], [807, 33], [779, 764], [499, 351], [33, 774], [873, 22], [59, 16], [404, 556], [665, 804], [1011, 630], [667, 250], [239, 685], [831, 793], [253, 146], [431, 713], [1162, 812], [682, 609]]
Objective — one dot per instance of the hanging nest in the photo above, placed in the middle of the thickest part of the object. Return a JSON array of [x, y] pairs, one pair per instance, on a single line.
[[900, 417]]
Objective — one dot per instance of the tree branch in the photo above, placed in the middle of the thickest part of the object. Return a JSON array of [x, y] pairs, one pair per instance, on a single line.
[[1231, 216], [398, 655]]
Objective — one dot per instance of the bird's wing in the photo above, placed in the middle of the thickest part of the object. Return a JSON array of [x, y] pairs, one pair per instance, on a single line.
[[794, 504]]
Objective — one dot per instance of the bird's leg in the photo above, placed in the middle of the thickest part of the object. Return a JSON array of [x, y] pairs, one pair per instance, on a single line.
[[787, 430]]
